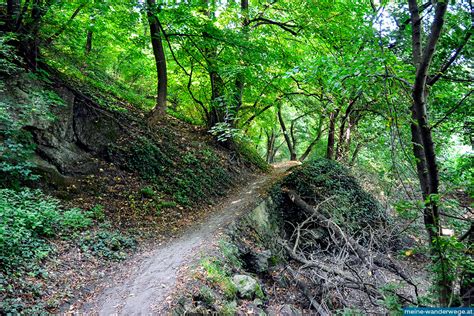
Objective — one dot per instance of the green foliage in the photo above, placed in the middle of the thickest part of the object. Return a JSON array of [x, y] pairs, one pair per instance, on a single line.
[[8, 56], [146, 158], [218, 273], [459, 171], [206, 296], [229, 309], [351, 312], [148, 192], [159, 206], [97, 212], [74, 220], [458, 258], [391, 300], [230, 252], [107, 244], [313, 61], [16, 149], [224, 132], [250, 155], [409, 210], [16, 144], [188, 178], [28, 219]]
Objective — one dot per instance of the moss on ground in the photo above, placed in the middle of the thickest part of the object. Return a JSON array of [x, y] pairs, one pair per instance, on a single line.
[[189, 172]]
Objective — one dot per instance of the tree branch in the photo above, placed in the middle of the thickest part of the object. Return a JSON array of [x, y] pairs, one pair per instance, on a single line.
[[283, 25], [450, 61], [65, 25], [452, 110]]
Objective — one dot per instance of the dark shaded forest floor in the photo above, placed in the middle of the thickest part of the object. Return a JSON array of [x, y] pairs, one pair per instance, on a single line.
[[142, 283]]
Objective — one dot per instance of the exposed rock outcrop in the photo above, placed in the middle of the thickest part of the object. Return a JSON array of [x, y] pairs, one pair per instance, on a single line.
[[70, 131]]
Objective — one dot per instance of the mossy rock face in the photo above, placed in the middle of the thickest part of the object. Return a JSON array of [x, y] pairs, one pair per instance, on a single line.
[[339, 195]]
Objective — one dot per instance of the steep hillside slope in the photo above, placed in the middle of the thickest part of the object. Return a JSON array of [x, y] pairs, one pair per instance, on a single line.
[[115, 182]]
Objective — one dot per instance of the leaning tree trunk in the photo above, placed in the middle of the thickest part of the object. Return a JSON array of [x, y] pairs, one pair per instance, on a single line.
[[289, 143], [160, 60], [310, 147]]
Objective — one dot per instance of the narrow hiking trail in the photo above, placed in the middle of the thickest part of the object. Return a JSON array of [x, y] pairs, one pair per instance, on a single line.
[[142, 286]]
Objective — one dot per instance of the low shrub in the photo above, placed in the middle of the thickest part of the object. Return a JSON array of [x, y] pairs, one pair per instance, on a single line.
[[27, 219], [107, 244]]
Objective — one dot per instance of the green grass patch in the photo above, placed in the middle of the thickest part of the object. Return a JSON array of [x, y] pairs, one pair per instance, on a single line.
[[218, 274]]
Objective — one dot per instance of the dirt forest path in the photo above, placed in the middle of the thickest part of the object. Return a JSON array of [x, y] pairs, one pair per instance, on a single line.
[[149, 280]]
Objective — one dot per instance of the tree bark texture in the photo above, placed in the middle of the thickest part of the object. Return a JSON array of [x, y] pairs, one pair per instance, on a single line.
[[160, 60]]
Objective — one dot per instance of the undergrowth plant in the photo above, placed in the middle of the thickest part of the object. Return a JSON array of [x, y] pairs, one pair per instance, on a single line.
[[29, 221]]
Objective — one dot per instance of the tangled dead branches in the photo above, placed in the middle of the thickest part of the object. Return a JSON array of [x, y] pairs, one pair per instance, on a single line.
[[337, 270]]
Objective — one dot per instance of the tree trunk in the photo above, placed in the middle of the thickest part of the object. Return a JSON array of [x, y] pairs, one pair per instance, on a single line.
[[160, 60], [309, 149], [270, 146], [331, 133], [344, 140], [217, 112], [239, 81], [289, 143], [88, 47], [423, 147], [26, 27], [13, 13]]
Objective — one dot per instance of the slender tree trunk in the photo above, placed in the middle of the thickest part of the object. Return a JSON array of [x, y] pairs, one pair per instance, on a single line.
[[423, 146], [88, 47], [240, 80], [160, 60], [343, 143], [331, 134], [13, 13], [217, 112], [355, 154], [270, 146], [289, 143], [309, 149], [90, 34]]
